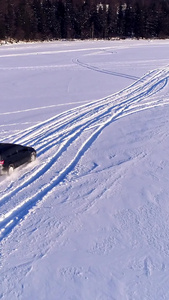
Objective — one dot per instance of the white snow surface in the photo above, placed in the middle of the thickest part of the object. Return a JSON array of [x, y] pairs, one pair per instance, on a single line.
[[89, 220]]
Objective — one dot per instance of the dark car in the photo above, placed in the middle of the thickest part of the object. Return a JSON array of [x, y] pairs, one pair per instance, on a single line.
[[13, 156]]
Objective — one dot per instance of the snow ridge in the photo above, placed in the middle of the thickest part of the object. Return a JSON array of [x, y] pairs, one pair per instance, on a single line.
[[73, 132]]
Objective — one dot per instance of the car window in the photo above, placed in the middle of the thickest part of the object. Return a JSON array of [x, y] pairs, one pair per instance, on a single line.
[[21, 150]]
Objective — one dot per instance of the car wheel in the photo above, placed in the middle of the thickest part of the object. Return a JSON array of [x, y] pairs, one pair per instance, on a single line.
[[10, 169], [33, 157]]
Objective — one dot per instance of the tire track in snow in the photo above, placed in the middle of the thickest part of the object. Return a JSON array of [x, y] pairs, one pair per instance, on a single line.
[[73, 135], [74, 114], [78, 62], [65, 130]]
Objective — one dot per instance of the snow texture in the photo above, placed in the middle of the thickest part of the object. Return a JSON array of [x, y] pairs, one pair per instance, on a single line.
[[89, 220]]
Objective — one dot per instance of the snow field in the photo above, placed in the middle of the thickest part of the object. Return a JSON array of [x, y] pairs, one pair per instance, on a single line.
[[89, 219]]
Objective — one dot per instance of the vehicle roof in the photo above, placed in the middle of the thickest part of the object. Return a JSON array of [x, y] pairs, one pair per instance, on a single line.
[[7, 146]]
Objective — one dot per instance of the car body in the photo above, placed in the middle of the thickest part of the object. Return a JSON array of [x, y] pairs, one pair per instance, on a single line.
[[13, 156]]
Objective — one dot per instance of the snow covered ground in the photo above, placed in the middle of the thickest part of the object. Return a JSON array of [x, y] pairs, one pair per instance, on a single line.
[[89, 220]]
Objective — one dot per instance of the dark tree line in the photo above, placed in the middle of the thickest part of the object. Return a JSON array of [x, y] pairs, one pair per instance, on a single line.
[[83, 19]]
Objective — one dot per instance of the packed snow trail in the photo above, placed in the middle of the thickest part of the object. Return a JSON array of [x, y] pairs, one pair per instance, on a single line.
[[77, 61], [62, 140]]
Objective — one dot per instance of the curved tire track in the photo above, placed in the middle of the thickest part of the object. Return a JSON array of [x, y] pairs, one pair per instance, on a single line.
[[60, 135]]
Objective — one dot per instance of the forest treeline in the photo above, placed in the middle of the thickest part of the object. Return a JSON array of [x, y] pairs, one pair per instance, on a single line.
[[83, 19]]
